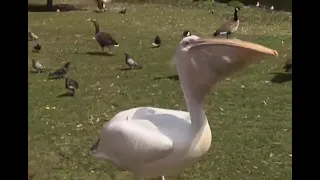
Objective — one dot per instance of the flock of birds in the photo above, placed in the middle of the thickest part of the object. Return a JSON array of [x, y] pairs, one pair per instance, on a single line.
[[153, 142]]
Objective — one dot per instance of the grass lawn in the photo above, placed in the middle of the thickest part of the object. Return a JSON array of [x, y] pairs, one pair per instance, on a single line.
[[250, 116]]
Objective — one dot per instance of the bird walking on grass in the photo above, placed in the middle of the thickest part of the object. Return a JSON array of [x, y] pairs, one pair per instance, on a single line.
[[185, 33], [31, 36], [123, 11], [71, 85], [131, 63], [104, 39], [288, 66], [37, 66], [229, 27], [157, 42], [60, 73]]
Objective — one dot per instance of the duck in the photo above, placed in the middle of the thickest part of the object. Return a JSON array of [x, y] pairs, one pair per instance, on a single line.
[[229, 27], [104, 39], [155, 142]]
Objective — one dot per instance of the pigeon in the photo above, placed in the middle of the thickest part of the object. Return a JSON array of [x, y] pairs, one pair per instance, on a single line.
[[60, 73], [288, 66], [71, 85], [130, 62], [123, 11], [31, 36], [157, 42], [104, 39], [37, 66], [36, 46], [185, 33]]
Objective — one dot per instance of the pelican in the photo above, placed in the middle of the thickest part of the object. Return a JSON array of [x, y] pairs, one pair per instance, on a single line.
[[153, 142]]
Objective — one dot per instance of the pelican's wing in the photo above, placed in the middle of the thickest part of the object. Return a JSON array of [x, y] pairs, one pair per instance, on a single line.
[[130, 143], [225, 56]]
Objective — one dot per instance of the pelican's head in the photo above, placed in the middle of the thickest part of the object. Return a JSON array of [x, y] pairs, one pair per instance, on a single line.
[[201, 63], [187, 42]]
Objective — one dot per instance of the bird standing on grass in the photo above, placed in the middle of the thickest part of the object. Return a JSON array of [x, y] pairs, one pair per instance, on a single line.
[[60, 73], [101, 5], [71, 85], [36, 46], [185, 33], [288, 66], [157, 42], [258, 4], [31, 36], [104, 39], [130, 62], [123, 11], [229, 27], [37, 66], [152, 142], [272, 8]]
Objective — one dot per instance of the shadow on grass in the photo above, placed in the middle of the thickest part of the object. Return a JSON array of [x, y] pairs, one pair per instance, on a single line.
[[173, 77], [55, 77], [67, 94], [124, 69], [99, 54], [155, 47], [36, 72], [61, 7], [281, 77]]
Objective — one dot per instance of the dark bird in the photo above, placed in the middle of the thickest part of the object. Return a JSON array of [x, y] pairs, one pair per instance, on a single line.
[[130, 62], [185, 33], [104, 39], [288, 66], [60, 73], [123, 11], [36, 46], [37, 66], [71, 85], [229, 27], [157, 42]]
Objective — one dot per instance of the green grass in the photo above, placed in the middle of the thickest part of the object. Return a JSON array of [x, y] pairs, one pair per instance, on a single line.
[[251, 139]]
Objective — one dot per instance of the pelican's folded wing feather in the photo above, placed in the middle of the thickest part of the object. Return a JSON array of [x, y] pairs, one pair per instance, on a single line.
[[130, 143]]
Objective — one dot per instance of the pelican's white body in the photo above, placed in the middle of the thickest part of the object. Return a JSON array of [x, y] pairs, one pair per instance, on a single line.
[[165, 130], [153, 142]]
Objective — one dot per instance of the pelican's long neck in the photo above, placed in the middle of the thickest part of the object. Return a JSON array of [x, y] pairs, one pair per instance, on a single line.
[[194, 97]]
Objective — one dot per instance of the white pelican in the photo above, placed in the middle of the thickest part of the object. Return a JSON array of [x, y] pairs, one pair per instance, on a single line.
[[153, 142]]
